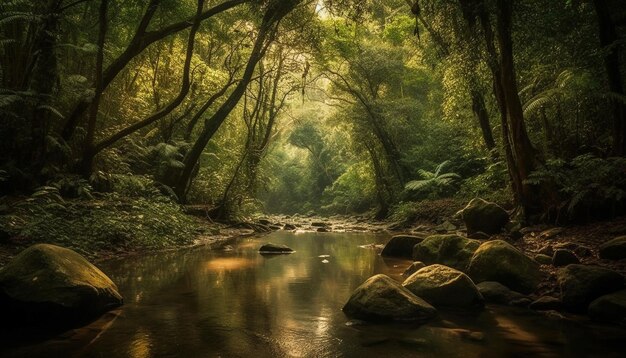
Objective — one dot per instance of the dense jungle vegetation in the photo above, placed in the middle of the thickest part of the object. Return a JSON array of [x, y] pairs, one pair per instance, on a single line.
[[113, 113]]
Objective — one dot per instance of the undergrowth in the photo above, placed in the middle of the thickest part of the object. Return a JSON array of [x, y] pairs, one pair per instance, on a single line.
[[109, 222]]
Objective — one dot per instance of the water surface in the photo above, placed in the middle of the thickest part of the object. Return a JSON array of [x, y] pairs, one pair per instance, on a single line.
[[202, 303]]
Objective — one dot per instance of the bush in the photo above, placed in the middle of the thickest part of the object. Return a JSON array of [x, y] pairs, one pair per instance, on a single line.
[[586, 187]]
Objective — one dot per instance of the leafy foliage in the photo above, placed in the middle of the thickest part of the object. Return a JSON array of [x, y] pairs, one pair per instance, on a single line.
[[586, 186], [433, 184]]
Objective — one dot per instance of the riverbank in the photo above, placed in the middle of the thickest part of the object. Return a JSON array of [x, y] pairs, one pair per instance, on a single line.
[[106, 227]]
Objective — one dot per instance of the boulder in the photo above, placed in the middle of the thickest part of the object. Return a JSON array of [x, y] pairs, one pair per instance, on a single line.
[[401, 246], [546, 303], [495, 292], [450, 250], [413, 268], [614, 249], [322, 229], [564, 257], [580, 285], [543, 259], [270, 248], [289, 227], [53, 285], [481, 215], [380, 298], [319, 224], [443, 286], [501, 262], [609, 308]]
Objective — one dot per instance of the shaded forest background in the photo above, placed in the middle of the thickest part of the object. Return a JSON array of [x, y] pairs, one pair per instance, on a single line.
[[328, 107]]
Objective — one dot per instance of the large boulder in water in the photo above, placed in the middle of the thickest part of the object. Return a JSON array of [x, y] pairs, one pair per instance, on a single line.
[[581, 284], [484, 216], [614, 249], [443, 286], [401, 246], [51, 284], [499, 261], [380, 298], [451, 250]]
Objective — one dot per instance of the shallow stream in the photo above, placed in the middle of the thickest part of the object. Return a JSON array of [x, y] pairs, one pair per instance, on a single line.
[[238, 303]]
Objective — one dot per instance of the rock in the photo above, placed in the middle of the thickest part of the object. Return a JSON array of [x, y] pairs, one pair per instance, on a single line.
[[270, 248], [289, 227], [580, 285], [55, 285], [614, 249], [450, 250], [501, 262], [546, 303], [564, 257], [401, 246], [481, 215], [442, 286], [413, 268], [609, 308], [380, 298], [322, 229], [319, 224], [446, 226], [543, 259], [579, 250], [495, 292], [546, 250], [551, 233], [264, 222], [523, 302], [479, 235]]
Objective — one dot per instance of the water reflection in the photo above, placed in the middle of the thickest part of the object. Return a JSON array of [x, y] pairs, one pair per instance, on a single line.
[[238, 303]]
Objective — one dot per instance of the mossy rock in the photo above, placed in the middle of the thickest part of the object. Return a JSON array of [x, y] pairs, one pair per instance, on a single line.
[[484, 216], [499, 261], [47, 283], [380, 298], [443, 286], [581, 284], [450, 250]]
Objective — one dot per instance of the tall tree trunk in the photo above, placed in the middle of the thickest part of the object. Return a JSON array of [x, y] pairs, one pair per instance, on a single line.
[[525, 154], [267, 33], [480, 111], [43, 83], [142, 39], [95, 103], [608, 41], [94, 148]]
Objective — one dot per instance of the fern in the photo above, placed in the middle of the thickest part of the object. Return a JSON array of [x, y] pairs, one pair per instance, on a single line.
[[433, 184]]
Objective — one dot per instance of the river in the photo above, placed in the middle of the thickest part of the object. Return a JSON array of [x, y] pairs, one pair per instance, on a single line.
[[238, 303]]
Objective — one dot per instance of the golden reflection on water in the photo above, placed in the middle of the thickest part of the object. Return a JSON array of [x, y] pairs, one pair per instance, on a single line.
[[229, 264], [141, 345]]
